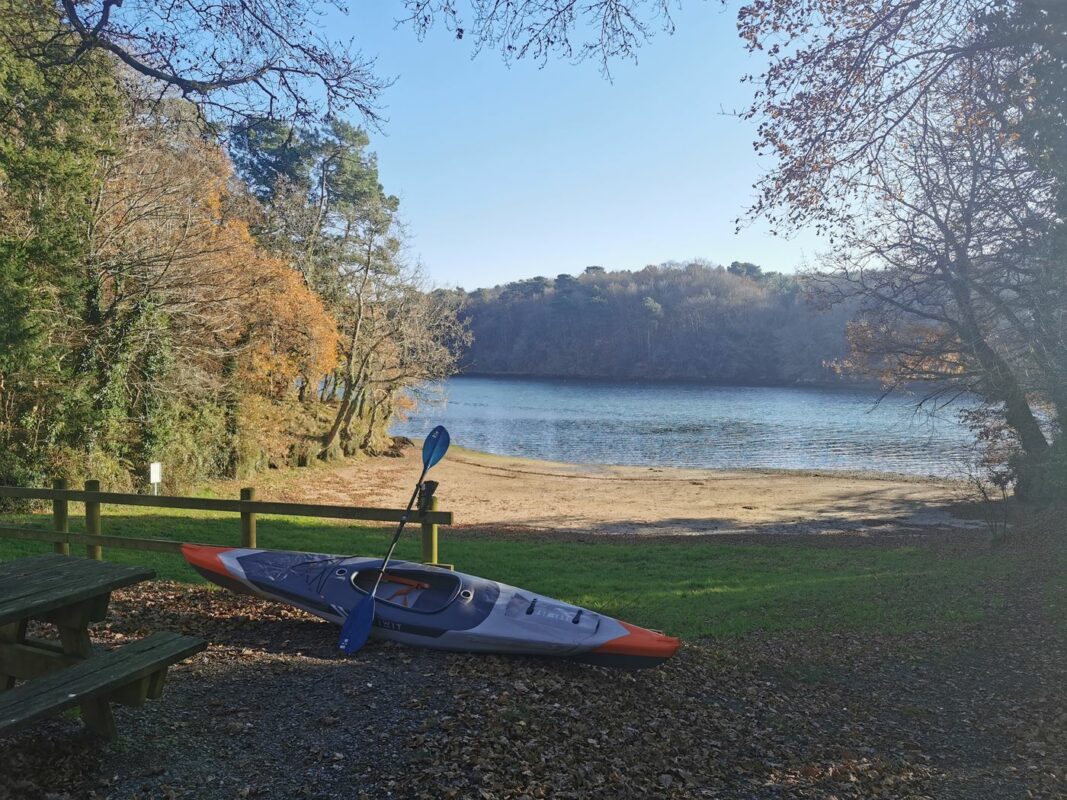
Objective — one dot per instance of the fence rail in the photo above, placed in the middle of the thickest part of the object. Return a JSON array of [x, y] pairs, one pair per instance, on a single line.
[[93, 540], [234, 506], [247, 506]]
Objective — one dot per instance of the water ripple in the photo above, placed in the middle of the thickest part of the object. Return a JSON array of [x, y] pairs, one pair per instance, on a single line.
[[696, 426]]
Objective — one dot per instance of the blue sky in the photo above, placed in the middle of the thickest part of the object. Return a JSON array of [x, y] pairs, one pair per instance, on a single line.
[[509, 172]]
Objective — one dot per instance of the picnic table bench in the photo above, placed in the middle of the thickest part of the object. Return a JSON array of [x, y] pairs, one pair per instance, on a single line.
[[71, 593]]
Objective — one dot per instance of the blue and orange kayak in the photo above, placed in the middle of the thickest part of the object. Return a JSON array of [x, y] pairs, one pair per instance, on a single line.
[[433, 607]]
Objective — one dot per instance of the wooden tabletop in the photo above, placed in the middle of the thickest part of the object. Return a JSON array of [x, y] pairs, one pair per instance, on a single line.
[[31, 587]]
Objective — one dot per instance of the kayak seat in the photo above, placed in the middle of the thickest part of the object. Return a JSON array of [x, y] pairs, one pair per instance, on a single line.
[[429, 601], [416, 590]]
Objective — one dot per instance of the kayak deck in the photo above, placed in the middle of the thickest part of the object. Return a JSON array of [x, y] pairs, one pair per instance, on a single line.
[[432, 607]]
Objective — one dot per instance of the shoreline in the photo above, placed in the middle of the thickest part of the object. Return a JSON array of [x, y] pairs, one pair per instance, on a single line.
[[681, 380], [491, 493], [594, 469]]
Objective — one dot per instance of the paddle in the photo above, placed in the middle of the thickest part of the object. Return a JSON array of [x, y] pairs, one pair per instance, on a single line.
[[357, 625]]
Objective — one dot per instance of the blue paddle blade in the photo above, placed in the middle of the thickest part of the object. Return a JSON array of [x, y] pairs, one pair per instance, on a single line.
[[357, 625], [435, 446]]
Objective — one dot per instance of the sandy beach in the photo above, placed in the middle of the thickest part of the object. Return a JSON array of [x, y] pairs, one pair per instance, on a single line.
[[489, 492]]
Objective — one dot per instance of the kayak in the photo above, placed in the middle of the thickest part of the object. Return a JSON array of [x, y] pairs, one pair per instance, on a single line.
[[428, 606]]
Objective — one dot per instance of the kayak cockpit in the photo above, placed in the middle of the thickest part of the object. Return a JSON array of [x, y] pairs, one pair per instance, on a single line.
[[427, 591]]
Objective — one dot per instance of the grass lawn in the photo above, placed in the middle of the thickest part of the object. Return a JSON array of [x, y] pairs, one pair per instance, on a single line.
[[692, 588]]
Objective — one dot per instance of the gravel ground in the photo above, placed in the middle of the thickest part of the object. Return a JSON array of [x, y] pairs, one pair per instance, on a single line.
[[271, 710]]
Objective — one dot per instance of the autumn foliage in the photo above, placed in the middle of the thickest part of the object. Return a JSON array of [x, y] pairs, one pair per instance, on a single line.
[[294, 335], [155, 308]]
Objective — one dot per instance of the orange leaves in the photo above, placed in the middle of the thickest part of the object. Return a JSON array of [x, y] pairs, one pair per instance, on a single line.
[[166, 236], [908, 352], [292, 333]]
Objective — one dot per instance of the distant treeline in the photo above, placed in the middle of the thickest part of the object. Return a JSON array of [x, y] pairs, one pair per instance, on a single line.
[[691, 321]]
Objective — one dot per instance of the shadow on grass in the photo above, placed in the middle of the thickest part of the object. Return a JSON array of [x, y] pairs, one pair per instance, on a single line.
[[862, 512]]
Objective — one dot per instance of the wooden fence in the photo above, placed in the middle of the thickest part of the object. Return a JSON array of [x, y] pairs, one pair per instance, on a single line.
[[247, 506]]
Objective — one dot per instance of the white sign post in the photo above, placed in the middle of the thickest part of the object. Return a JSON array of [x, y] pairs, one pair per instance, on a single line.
[[155, 475]]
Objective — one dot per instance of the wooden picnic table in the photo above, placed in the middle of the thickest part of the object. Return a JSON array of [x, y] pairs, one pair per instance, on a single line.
[[71, 593]]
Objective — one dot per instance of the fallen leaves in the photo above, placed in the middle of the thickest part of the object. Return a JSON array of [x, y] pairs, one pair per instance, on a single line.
[[273, 710]]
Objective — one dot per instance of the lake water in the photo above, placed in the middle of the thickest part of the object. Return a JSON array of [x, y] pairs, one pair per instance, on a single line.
[[689, 425]]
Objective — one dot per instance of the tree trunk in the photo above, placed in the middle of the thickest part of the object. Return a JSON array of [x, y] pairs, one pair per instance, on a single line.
[[354, 408], [369, 433], [231, 406], [1002, 384], [330, 439]]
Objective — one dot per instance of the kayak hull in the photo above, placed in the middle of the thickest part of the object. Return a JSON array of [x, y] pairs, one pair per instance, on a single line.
[[427, 606]]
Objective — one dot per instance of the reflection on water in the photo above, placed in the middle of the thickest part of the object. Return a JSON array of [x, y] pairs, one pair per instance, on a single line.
[[695, 426]]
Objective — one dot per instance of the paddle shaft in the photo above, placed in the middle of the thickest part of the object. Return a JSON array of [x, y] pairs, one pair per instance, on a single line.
[[399, 530]]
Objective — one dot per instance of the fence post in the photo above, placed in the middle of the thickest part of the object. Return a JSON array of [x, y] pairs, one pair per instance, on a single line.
[[59, 516], [248, 520], [92, 521], [429, 537]]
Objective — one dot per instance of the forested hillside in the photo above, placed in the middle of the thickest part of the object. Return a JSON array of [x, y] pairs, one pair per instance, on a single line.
[[693, 321], [219, 300]]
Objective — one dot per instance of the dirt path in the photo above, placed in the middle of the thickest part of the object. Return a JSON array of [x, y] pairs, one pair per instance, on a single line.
[[486, 491]]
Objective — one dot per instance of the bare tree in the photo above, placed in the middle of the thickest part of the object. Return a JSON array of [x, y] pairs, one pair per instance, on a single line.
[[393, 334], [422, 339], [912, 132], [232, 58], [947, 260], [603, 30], [842, 78], [272, 59]]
